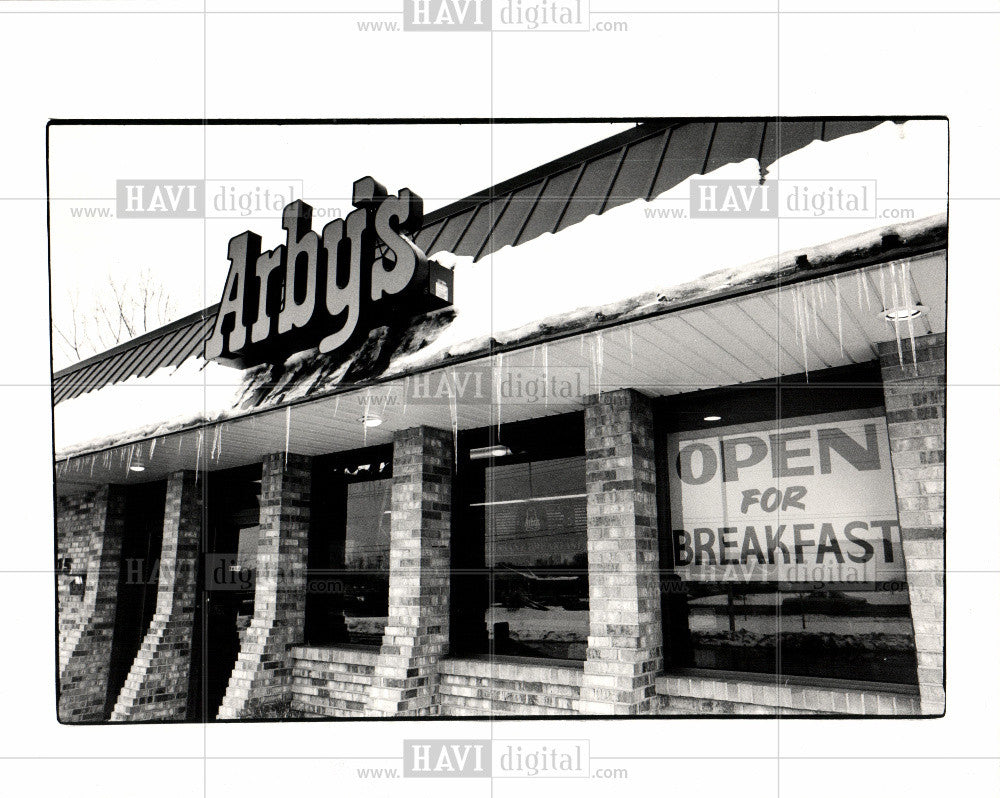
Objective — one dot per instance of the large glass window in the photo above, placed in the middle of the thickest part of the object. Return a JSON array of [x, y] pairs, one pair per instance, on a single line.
[[519, 585], [348, 581], [780, 532]]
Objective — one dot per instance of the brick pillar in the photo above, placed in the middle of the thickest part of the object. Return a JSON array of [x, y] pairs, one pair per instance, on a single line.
[[85, 648], [157, 684], [261, 680], [625, 646], [416, 636], [914, 404]]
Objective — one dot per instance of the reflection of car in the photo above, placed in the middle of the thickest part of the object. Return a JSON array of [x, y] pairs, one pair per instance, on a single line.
[[823, 602]]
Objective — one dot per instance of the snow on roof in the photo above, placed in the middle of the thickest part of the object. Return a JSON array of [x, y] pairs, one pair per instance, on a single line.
[[631, 261]]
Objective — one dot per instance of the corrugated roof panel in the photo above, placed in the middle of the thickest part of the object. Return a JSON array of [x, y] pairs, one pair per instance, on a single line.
[[512, 219], [453, 231], [130, 357], [834, 129], [734, 142], [550, 204], [795, 134], [426, 236], [178, 341], [592, 190], [153, 357], [686, 154], [193, 344], [637, 170], [480, 226], [96, 377]]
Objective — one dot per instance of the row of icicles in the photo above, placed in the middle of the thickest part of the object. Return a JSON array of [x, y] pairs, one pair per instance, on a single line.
[[894, 284], [807, 300]]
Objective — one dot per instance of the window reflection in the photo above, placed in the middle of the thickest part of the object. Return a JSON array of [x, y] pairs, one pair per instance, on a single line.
[[536, 554]]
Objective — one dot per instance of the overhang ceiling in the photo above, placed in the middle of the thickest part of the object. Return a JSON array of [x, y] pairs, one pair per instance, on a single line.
[[744, 339]]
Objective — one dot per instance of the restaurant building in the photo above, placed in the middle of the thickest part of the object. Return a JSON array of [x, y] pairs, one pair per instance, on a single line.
[[541, 451]]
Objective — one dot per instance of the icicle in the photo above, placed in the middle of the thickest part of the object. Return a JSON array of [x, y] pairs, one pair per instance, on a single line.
[[860, 290], [220, 440], [800, 312], [840, 318], [91, 465], [453, 408], [881, 283], [498, 389], [908, 301], [131, 452], [288, 430], [597, 360], [545, 371], [336, 405], [215, 443], [895, 310], [180, 440], [868, 298], [152, 448], [815, 315], [197, 456]]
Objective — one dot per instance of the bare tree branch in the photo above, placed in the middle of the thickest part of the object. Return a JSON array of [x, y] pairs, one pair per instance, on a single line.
[[120, 311]]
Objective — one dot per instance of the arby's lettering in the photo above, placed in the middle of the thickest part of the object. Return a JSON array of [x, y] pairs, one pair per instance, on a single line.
[[329, 289]]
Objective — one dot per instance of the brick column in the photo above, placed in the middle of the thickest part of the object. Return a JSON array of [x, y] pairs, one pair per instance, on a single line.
[[157, 684], [261, 681], [416, 636], [625, 646], [914, 404], [85, 646]]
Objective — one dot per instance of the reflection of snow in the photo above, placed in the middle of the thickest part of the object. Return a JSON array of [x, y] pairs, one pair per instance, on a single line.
[[531, 624]]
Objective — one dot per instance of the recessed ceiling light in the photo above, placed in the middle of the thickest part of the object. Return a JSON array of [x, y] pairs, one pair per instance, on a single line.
[[903, 313], [713, 418], [371, 420], [137, 467], [489, 451]]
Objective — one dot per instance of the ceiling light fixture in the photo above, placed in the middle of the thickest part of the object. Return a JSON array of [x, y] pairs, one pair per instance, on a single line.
[[713, 418], [371, 420], [499, 450], [903, 312]]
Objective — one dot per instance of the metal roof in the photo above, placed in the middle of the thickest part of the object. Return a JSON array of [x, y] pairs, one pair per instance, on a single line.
[[639, 163]]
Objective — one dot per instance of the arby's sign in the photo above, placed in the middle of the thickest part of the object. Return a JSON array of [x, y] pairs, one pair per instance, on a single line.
[[809, 500], [330, 289]]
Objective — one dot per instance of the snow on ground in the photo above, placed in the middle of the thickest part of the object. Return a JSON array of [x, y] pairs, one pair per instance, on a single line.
[[617, 262]]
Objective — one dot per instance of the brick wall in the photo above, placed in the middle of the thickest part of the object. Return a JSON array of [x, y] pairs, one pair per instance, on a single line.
[[261, 681], [331, 682], [157, 683], [702, 695], [481, 688], [416, 635], [89, 530], [625, 645], [915, 407]]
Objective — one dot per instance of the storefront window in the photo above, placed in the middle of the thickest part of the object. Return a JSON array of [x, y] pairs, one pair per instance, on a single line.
[[780, 533], [520, 584], [348, 581]]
